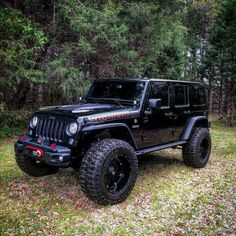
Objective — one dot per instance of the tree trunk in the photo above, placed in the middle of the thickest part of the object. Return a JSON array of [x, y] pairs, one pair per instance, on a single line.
[[232, 103], [221, 99], [54, 17], [210, 92]]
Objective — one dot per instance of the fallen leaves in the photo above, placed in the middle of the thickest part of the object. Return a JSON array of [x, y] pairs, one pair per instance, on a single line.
[[20, 190]]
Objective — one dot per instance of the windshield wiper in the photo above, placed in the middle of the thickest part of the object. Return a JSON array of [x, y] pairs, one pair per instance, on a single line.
[[93, 99], [98, 100], [117, 102]]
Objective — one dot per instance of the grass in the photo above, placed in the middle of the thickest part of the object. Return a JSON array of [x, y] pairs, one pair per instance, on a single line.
[[168, 199]]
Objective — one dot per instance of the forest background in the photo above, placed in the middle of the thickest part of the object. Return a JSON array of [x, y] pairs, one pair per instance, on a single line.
[[51, 50]]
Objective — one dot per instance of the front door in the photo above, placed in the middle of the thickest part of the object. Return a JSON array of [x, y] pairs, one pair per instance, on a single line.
[[157, 124]]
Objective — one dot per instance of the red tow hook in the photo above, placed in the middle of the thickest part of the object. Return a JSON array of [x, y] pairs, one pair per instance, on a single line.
[[53, 146], [37, 152], [22, 138]]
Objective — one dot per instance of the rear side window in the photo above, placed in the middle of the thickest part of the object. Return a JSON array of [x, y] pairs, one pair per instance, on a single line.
[[198, 96], [161, 91], [181, 95]]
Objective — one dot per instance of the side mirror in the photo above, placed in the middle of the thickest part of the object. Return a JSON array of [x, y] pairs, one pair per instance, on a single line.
[[154, 103]]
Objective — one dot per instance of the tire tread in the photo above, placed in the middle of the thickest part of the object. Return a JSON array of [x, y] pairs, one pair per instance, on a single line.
[[190, 150], [92, 163]]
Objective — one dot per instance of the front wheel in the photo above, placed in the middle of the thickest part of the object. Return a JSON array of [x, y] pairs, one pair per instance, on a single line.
[[198, 148], [109, 171]]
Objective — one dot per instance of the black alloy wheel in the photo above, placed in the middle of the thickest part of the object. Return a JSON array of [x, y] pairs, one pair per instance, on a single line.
[[108, 171], [117, 174], [204, 147]]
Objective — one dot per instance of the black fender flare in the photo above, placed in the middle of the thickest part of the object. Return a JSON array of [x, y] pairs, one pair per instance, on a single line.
[[201, 121], [111, 126]]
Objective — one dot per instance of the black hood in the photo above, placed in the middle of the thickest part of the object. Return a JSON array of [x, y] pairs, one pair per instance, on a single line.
[[79, 110]]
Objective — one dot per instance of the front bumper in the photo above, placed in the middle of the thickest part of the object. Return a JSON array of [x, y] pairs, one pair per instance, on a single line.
[[59, 156]]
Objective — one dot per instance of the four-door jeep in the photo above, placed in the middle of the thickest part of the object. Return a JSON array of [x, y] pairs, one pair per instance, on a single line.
[[117, 121]]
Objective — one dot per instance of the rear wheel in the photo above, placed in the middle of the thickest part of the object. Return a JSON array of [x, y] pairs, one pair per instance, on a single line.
[[197, 150], [109, 171], [33, 167]]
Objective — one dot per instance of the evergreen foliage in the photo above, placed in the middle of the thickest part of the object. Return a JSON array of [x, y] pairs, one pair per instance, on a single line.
[[51, 50]]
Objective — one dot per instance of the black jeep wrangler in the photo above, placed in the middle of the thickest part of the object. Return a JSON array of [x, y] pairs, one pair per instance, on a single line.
[[117, 121]]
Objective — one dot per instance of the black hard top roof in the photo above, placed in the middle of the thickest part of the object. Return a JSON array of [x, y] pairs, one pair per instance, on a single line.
[[148, 79]]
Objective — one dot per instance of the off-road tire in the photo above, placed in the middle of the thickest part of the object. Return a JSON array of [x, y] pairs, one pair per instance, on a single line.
[[33, 168], [198, 148], [95, 165]]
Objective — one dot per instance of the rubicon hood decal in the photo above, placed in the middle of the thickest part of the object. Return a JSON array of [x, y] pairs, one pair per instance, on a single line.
[[109, 116]]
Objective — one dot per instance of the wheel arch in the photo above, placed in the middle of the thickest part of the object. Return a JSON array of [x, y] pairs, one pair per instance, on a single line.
[[193, 122], [114, 130]]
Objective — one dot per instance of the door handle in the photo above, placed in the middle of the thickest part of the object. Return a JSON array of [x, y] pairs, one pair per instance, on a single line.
[[187, 112], [169, 114]]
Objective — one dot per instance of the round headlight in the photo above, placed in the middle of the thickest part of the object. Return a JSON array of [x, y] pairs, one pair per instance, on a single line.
[[72, 128], [34, 122]]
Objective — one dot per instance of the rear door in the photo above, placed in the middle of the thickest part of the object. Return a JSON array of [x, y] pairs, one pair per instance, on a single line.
[[181, 107], [198, 100]]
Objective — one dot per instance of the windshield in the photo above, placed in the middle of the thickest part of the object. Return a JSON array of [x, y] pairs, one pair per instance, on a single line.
[[119, 91]]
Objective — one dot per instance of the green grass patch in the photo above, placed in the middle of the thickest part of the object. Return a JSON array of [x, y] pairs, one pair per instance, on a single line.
[[168, 198]]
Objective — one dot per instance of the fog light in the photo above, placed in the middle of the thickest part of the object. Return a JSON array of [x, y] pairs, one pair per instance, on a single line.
[[30, 132], [61, 158], [71, 141]]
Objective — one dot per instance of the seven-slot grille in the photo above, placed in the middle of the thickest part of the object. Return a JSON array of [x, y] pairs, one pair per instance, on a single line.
[[51, 129]]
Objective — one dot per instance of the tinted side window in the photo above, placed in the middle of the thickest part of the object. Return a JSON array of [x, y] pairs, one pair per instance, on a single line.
[[181, 95], [161, 91], [198, 95]]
